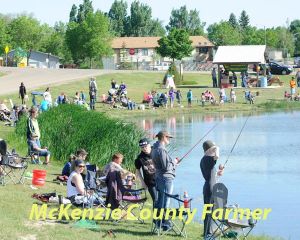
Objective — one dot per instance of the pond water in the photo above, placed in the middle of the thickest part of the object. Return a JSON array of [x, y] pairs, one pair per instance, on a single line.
[[263, 170]]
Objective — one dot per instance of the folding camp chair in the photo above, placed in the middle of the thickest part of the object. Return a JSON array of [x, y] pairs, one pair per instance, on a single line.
[[227, 227], [121, 196], [12, 166], [177, 225]]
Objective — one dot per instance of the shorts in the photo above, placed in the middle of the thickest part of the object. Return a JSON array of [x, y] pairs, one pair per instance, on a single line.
[[44, 153], [293, 91]]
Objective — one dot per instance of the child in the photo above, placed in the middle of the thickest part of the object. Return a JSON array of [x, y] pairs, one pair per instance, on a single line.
[[178, 97], [232, 96]]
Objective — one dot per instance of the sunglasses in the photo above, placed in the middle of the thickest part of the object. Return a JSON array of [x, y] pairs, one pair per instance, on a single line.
[[81, 166]]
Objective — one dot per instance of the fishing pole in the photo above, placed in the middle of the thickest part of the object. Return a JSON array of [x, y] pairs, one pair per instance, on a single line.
[[236, 141], [197, 143]]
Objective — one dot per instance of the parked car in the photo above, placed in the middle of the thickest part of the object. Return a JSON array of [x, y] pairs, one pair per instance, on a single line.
[[280, 69], [164, 66]]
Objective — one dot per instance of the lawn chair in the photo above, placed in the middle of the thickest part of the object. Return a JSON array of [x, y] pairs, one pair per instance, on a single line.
[[228, 228], [177, 225], [34, 155], [121, 196], [12, 166]]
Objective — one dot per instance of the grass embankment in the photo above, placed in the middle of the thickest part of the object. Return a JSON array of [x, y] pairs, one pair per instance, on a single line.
[[68, 127], [15, 202], [141, 82]]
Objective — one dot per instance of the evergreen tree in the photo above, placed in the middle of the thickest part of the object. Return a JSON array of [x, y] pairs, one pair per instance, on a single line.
[[73, 13], [233, 21], [244, 20]]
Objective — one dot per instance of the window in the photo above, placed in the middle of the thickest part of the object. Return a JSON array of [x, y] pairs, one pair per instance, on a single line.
[[203, 50], [145, 52]]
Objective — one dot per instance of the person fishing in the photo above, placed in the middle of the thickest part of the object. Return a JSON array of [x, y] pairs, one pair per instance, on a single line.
[[210, 175]]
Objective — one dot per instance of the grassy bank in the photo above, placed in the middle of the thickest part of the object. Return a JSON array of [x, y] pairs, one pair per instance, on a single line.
[[139, 83], [68, 127]]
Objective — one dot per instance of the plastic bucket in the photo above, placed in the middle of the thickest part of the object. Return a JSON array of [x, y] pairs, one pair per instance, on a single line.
[[39, 177], [263, 82]]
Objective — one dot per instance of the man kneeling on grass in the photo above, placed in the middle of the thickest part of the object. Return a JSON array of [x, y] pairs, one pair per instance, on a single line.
[[42, 152]]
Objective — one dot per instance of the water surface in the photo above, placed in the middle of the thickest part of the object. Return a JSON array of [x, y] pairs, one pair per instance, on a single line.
[[263, 170]]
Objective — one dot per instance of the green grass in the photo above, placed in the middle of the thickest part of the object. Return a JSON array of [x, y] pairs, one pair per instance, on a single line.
[[16, 201], [68, 127]]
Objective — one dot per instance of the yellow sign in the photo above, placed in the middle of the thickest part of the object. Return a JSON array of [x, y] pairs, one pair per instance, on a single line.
[[6, 49]]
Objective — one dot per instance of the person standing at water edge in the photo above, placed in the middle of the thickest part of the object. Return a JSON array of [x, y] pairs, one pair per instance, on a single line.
[[293, 87], [214, 77], [209, 173], [144, 165], [165, 172]]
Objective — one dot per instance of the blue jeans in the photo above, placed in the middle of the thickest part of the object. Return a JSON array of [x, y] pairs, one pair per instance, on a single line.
[[163, 185]]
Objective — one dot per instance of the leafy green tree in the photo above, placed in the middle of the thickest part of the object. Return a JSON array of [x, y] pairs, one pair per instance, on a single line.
[[244, 20], [118, 16], [73, 13], [253, 36], [224, 34], [295, 30], [156, 28], [89, 39], [139, 21], [233, 21], [176, 45], [285, 41], [25, 32], [4, 37], [190, 21]]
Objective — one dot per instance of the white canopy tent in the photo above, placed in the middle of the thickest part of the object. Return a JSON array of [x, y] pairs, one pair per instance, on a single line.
[[240, 54], [237, 58]]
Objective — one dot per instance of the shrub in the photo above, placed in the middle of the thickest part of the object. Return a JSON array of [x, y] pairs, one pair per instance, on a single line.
[[66, 128]]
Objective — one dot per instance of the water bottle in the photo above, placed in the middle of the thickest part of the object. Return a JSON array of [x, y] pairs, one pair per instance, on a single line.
[[186, 200]]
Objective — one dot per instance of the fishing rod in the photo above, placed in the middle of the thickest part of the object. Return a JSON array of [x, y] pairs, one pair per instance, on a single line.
[[236, 141], [197, 143]]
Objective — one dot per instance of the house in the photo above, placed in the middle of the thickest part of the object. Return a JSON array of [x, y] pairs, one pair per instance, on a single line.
[[36, 59], [140, 51]]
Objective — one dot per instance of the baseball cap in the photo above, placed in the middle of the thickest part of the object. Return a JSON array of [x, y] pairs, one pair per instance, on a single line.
[[162, 134], [143, 142]]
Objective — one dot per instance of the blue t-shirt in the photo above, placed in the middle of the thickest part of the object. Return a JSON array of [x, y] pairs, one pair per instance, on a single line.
[[44, 105], [67, 169]]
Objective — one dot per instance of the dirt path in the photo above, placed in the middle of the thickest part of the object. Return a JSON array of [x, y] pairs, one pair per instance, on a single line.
[[35, 77]]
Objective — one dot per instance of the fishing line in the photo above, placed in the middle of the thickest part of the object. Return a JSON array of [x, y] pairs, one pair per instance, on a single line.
[[197, 143], [236, 141]]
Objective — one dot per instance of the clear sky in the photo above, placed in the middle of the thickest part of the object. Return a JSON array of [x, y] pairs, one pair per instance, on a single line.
[[262, 13]]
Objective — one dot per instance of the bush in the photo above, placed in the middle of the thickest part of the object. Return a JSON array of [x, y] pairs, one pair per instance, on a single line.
[[66, 128], [173, 71]]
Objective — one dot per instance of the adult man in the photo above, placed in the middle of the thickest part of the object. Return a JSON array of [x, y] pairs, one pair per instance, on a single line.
[[165, 172], [214, 77], [145, 169], [22, 92], [33, 130], [43, 152], [93, 86], [209, 173]]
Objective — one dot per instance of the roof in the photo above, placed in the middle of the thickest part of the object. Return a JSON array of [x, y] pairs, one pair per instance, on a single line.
[[34, 51], [151, 42], [240, 54]]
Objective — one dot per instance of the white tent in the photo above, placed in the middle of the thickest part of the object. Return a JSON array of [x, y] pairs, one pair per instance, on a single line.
[[240, 54]]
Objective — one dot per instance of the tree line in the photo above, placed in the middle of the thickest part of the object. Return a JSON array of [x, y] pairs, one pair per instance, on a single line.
[[87, 36]]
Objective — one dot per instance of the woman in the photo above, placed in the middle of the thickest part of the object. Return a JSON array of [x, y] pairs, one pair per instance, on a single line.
[[76, 191], [75, 185], [22, 92]]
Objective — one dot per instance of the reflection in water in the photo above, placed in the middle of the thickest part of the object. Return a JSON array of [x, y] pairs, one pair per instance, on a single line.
[[263, 170]]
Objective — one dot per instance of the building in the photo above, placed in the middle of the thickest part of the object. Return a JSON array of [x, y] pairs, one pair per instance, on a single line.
[[140, 51], [36, 59]]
